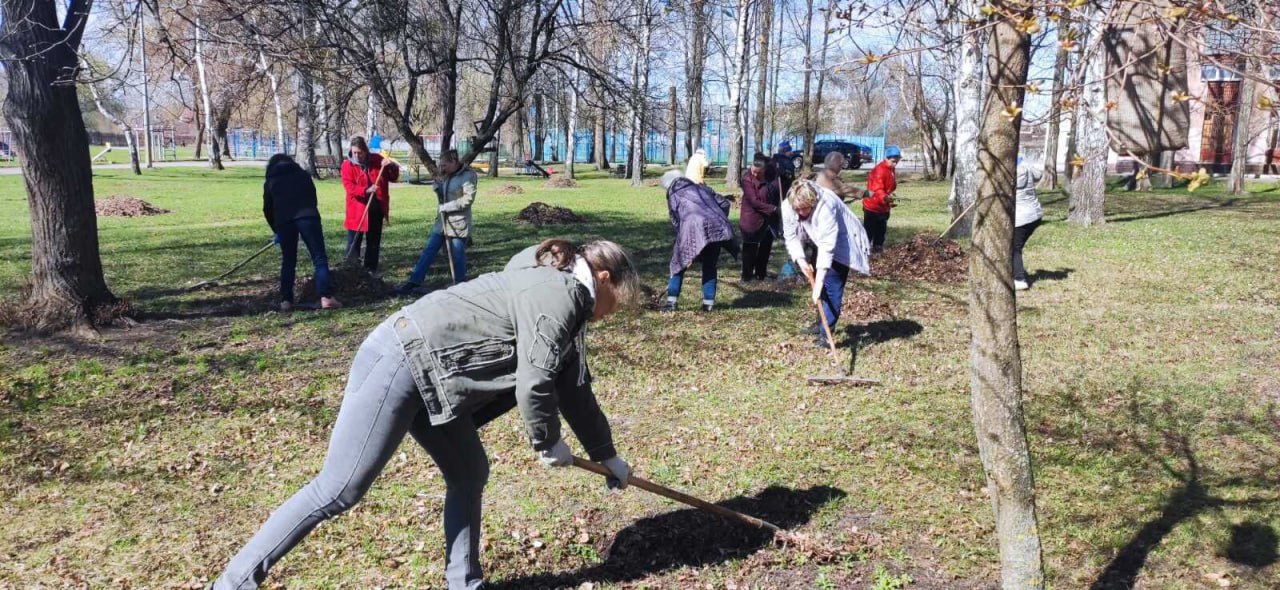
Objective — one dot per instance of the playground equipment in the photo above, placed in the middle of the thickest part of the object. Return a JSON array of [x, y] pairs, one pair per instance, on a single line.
[[99, 156], [252, 144]]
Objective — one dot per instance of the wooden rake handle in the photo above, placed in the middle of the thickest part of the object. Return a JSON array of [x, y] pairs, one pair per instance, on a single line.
[[234, 268], [831, 341], [669, 493]]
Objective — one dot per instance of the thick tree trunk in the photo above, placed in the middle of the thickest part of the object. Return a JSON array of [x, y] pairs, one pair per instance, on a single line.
[[697, 70], [968, 96], [215, 158], [67, 285], [995, 374], [1088, 184], [1243, 131], [733, 169], [1053, 134], [762, 87]]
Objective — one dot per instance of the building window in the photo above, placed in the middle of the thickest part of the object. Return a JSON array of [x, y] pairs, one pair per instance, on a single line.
[[1213, 73]]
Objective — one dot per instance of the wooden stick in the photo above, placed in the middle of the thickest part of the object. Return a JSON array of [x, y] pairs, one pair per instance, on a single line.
[[233, 269], [835, 358], [957, 220], [666, 492]]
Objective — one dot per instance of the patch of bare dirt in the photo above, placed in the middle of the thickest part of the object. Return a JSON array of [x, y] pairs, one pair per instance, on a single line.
[[510, 189], [123, 206], [922, 258], [539, 213], [351, 283]]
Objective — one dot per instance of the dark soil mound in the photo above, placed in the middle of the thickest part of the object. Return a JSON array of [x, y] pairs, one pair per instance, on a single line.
[[922, 258], [561, 182], [351, 283], [539, 213], [119, 206]]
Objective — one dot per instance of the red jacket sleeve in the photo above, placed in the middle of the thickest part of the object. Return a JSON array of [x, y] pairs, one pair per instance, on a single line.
[[353, 182], [876, 184]]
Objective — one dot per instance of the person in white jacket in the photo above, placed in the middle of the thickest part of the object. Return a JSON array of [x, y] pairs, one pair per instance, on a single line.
[[1026, 218], [817, 216]]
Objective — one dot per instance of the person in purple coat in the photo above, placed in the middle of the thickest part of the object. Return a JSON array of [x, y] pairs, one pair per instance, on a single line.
[[700, 218]]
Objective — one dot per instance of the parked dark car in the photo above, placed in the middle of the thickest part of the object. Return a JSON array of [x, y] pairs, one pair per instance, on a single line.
[[854, 154]]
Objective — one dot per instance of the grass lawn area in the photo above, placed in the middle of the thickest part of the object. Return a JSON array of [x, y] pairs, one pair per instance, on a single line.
[[119, 154], [1151, 355]]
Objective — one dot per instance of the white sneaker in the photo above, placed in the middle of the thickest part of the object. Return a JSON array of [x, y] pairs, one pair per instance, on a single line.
[[286, 306], [1020, 285]]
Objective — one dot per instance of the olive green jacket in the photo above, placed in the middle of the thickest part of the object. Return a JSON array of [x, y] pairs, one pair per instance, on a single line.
[[506, 339]]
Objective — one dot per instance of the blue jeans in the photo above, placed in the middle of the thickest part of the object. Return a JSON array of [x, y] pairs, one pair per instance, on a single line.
[[709, 256], [380, 406], [312, 234], [833, 292], [435, 242]]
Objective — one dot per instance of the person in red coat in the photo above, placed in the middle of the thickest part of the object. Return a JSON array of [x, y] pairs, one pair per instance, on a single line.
[[365, 177], [881, 184]]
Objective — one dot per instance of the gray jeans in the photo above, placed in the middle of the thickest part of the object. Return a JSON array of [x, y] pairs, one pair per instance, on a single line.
[[380, 405]]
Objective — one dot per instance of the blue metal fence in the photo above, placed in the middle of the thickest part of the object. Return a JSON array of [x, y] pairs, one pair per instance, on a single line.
[[715, 140]]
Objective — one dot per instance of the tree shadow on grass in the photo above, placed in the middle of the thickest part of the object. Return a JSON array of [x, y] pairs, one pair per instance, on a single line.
[[1252, 544], [1191, 498], [1208, 204], [688, 538]]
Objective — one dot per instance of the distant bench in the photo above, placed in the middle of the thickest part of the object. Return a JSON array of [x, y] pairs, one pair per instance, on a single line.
[[323, 163]]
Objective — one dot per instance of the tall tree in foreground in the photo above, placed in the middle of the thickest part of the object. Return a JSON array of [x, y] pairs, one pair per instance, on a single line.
[[40, 64], [995, 372]]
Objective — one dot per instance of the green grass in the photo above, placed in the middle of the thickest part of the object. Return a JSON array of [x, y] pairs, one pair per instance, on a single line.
[[119, 154], [1149, 352]]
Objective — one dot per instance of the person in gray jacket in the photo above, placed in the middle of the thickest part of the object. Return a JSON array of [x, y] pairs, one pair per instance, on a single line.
[[1026, 218], [444, 365], [456, 192]]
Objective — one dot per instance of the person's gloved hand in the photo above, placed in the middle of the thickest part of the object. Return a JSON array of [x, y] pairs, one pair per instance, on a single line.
[[620, 470], [441, 208], [558, 455]]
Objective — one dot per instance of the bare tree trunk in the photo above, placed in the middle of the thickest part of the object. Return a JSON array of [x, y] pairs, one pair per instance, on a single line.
[[762, 87], [673, 121], [995, 374], [598, 138], [571, 142], [733, 169], [1053, 134], [773, 79], [640, 116], [968, 91], [275, 101], [128, 130], [816, 119], [806, 164], [146, 86], [1088, 185], [306, 123], [694, 77], [1244, 116], [215, 158], [539, 127], [67, 285]]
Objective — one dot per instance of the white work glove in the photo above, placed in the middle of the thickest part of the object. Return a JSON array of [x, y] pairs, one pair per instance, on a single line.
[[558, 455], [372, 189], [441, 208], [620, 470]]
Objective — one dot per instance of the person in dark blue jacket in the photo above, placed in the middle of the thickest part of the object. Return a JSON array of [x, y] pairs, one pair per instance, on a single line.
[[289, 204]]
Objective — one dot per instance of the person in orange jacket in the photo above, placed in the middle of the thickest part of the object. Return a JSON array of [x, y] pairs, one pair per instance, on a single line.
[[365, 177], [881, 184]]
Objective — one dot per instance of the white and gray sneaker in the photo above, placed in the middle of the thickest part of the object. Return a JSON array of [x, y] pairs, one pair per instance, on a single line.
[[1020, 285]]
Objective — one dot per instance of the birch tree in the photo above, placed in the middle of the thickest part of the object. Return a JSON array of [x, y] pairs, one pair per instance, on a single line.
[[1088, 183], [968, 114], [737, 83], [215, 158]]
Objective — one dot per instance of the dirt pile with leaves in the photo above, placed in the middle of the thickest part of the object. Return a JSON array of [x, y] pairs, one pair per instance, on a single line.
[[865, 306], [922, 258], [122, 206], [539, 213], [510, 189], [561, 182], [351, 283]]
